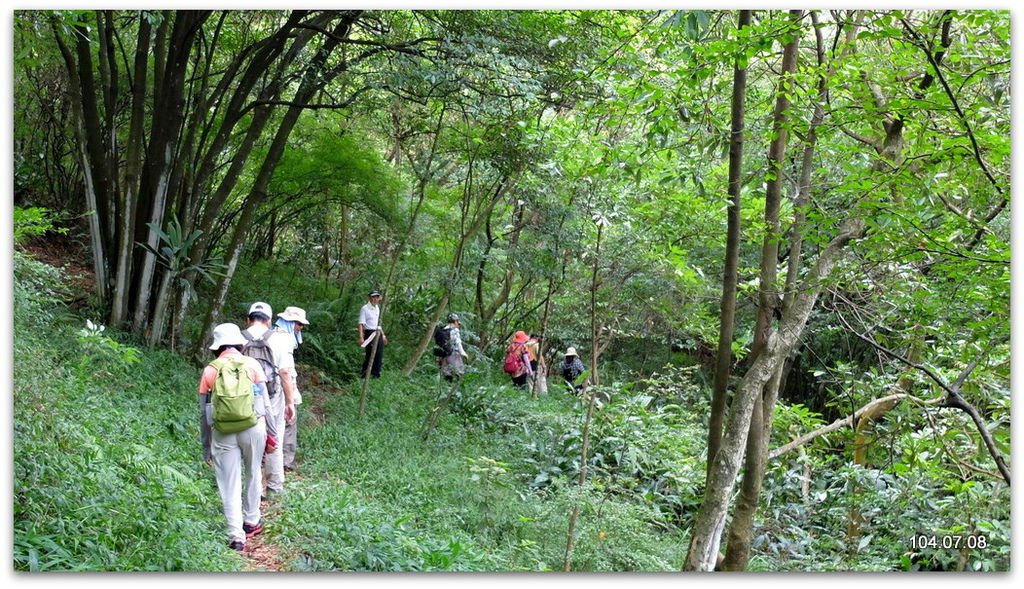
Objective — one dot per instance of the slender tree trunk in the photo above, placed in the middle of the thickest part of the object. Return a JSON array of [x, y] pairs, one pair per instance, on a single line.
[[705, 535], [723, 361], [738, 552], [503, 187], [421, 196], [167, 121], [83, 103], [125, 250], [314, 78], [543, 332], [594, 351], [570, 541]]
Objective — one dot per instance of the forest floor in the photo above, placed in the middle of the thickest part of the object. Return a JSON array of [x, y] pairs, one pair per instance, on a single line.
[[72, 258], [261, 553]]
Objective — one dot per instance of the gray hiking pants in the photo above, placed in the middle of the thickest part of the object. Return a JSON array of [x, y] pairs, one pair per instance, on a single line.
[[291, 440], [273, 463], [237, 462]]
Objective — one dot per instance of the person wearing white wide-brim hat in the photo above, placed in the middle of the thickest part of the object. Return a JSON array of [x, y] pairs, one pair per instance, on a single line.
[[292, 321], [236, 453]]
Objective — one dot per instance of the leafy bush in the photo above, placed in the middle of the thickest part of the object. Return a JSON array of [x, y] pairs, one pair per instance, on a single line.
[[643, 445], [32, 222]]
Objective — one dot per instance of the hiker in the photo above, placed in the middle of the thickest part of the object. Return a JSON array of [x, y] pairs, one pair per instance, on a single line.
[[448, 348], [292, 321], [371, 334], [273, 350], [571, 369], [239, 433], [517, 360], [537, 382]]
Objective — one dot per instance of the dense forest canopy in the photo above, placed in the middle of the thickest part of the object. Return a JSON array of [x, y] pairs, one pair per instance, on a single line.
[[794, 224]]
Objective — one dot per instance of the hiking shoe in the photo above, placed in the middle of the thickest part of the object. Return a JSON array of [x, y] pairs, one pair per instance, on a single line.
[[237, 545], [252, 530]]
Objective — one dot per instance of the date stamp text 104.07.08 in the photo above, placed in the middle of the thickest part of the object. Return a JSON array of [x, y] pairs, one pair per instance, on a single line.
[[948, 541]]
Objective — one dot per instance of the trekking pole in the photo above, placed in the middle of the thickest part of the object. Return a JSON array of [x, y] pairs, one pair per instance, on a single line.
[[366, 377], [436, 413], [427, 423]]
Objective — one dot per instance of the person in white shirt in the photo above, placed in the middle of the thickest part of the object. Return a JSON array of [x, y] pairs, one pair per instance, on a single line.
[[453, 365], [291, 322], [371, 334], [280, 388]]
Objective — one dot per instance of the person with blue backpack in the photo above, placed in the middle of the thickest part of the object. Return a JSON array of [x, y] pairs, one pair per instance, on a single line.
[[232, 393]]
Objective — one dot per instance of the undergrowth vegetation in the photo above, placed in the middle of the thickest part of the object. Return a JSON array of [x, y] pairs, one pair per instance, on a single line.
[[108, 472]]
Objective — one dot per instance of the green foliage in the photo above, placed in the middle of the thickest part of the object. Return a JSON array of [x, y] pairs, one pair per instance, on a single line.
[[39, 290], [600, 121], [106, 468], [100, 352], [32, 222], [174, 255]]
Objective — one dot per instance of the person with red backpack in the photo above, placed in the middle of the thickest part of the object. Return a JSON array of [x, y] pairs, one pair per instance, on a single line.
[[517, 360], [232, 393]]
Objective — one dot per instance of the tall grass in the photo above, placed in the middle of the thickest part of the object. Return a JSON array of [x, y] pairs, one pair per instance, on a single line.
[[107, 474], [373, 495]]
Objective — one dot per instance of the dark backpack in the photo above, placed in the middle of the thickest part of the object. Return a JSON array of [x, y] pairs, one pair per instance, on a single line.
[[232, 396], [442, 341], [514, 359], [259, 348]]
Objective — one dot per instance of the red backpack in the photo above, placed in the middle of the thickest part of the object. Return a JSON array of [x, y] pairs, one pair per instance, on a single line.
[[514, 359]]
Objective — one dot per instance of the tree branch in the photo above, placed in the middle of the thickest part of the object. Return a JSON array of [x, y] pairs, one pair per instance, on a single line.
[[849, 420], [952, 398], [934, 60]]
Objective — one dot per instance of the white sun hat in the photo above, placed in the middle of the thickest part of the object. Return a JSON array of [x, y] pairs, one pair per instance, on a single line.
[[294, 314], [227, 334]]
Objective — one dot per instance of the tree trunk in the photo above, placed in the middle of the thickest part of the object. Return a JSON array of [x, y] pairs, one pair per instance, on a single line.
[[86, 125], [570, 541], [723, 361], [130, 196], [313, 79], [703, 550], [504, 185], [167, 121], [738, 551]]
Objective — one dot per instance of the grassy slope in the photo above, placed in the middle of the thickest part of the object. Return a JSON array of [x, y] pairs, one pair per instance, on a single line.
[[387, 500], [108, 476]]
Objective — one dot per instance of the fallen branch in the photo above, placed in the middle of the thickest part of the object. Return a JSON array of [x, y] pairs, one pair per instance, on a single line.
[[845, 421]]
